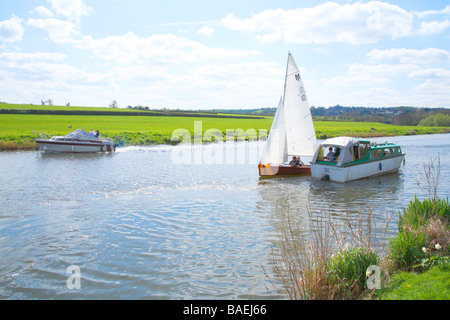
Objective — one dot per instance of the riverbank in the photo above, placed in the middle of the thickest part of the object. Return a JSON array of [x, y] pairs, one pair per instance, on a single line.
[[415, 264], [17, 131]]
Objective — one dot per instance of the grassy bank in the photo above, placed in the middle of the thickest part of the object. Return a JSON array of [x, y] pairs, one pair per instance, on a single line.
[[18, 130]]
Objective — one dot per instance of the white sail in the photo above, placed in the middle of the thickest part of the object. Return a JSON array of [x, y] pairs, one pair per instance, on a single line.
[[275, 150], [292, 132], [300, 133]]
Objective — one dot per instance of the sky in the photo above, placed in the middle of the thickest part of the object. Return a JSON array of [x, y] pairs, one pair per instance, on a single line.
[[205, 54]]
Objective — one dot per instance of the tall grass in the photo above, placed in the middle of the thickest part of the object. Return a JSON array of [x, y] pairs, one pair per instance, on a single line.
[[423, 234], [423, 227], [317, 260]]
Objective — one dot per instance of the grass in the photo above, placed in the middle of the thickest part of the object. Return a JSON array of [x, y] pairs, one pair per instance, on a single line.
[[131, 130], [433, 284], [330, 129], [17, 130]]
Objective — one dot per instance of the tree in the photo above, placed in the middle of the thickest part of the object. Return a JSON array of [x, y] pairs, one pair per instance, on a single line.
[[114, 104]]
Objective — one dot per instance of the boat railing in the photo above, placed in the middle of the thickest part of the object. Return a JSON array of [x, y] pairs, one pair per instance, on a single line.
[[382, 144]]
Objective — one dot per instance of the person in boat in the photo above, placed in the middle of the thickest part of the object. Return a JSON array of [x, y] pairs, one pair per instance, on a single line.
[[336, 154], [296, 162], [330, 154], [97, 134], [92, 131]]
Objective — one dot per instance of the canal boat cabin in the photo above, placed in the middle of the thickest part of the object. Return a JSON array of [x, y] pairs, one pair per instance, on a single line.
[[345, 159]]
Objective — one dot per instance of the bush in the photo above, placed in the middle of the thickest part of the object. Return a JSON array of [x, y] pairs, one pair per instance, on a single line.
[[406, 249], [436, 120], [423, 234], [348, 270], [419, 212]]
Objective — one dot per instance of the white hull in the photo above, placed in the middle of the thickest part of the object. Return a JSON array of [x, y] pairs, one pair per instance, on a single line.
[[356, 171], [74, 147]]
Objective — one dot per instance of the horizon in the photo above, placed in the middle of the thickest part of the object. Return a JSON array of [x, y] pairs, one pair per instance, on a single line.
[[207, 54], [237, 108]]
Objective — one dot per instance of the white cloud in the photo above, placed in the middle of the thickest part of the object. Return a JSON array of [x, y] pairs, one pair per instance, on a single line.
[[411, 77], [19, 58], [11, 30], [206, 31], [425, 14], [66, 25], [433, 27], [155, 50], [44, 12], [358, 23], [43, 75], [431, 74], [252, 84], [44, 66], [414, 56], [69, 8], [59, 31]]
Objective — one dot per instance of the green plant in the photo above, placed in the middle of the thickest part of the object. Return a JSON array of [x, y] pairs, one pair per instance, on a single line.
[[422, 227], [406, 249], [347, 270], [418, 213], [433, 284]]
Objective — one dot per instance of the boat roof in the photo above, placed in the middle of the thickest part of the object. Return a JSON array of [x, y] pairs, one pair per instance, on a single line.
[[340, 141], [350, 141]]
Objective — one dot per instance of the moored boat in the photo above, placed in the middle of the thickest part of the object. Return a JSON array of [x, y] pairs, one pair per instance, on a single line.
[[353, 158], [78, 141], [292, 132]]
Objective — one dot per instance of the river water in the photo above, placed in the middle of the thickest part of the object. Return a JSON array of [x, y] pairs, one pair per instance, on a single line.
[[194, 222]]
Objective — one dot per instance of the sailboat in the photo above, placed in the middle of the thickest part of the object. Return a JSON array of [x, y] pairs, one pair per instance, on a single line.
[[292, 132]]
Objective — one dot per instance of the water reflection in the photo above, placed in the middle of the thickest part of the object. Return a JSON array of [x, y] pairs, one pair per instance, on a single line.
[[369, 205]]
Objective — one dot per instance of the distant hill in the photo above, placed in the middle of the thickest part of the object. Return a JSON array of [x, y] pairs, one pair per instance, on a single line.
[[254, 112], [404, 115]]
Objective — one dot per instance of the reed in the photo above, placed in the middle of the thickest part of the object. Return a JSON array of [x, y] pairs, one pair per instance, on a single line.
[[423, 235], [423, 228], [321, 259]]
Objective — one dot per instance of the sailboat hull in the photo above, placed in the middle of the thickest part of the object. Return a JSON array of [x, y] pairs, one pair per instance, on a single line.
[[266, 170]]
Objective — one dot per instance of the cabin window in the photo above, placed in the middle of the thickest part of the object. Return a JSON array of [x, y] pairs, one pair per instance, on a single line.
[[362, 150], [375, 154], [389, 152], [355, 153], [320, 155]]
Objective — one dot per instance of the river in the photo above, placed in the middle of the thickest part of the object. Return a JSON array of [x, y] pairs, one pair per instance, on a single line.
[[155, 223]]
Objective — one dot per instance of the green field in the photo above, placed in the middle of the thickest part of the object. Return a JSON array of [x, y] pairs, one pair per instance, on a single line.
[[17, 130]]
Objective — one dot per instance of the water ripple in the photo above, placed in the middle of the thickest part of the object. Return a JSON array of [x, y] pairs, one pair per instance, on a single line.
[[141, 227]]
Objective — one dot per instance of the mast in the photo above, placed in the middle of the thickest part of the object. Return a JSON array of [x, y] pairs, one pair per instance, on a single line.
[[285, 77]]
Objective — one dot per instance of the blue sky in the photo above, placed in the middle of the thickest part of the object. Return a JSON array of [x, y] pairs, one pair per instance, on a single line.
[[201, 54]]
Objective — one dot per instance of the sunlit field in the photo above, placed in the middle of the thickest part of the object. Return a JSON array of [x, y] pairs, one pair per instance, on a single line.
[[18, 130]]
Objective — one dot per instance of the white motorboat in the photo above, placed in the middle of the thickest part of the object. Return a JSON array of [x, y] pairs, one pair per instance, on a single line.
[[77, 141], [352, 159]]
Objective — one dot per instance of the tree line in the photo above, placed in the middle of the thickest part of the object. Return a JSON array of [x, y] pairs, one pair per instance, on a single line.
[[405, 116]]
